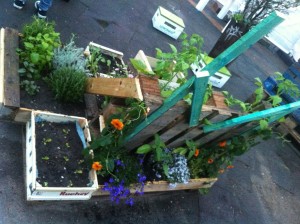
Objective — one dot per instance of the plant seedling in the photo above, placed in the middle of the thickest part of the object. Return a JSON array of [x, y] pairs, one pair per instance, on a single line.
[[67, 145], [45, 184], [66, 158], [78, 171], [46, 140], [66, 131], [45, 158]]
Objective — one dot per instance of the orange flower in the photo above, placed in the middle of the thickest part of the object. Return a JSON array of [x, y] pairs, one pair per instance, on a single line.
[[117, 124], [96, 166], [222, 144], [196, 154], [210, 161], [221, 171], [230, 166]]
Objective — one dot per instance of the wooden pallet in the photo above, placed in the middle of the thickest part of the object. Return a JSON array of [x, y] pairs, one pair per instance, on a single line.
[[288, 127]]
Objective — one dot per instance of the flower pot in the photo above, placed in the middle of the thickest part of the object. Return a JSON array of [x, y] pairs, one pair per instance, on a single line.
[[34, 189]]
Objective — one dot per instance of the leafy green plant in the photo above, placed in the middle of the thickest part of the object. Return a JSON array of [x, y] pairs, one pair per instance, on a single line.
[[38, 42], [30, 87], [93, 60], [68, 85], [176, 61]]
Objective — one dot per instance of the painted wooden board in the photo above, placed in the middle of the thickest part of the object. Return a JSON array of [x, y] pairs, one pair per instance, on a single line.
[[158, 186], [115, 87]]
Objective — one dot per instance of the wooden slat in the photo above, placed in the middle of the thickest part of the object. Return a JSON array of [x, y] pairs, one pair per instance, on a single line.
[[11, 67], [157, 125], [22, 115], [158, 186], [194, 132], [2, 31], [116, 87], [91, 106]]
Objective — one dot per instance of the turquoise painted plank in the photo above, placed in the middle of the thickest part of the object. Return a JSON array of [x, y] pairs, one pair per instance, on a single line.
[[228, 55], [177, 95], [274, 113], [200, 86]]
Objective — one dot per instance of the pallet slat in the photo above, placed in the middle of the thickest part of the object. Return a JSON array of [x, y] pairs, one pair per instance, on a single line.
[[11, 67]]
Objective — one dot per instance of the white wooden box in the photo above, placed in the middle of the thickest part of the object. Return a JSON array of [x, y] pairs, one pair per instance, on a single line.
[[219, 78], [168, 22], [34, 190]]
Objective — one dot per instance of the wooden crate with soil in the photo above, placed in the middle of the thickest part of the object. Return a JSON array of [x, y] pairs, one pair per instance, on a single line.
[[55, 168]]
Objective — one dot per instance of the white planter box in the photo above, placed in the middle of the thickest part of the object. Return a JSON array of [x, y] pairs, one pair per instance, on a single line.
[[219, 78], [168, 22], [36, 191], [106, 51]]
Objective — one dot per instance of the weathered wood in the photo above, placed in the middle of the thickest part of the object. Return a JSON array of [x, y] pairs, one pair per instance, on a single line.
[[158, 186], [91, 106], [22, 115], [194, 132], [10, 65], [116, 87]]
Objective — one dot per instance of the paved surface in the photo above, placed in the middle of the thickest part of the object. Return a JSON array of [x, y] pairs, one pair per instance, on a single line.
[[262, 188]]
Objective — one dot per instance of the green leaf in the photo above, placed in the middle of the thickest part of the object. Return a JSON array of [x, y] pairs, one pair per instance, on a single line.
[[166, 93], [276, 100], [110, 164], [183, 152], [22, 70], [159, 153], [28, 45], [190, 155], [34, 57], [144, 149], [174, 49], [166, 169], [263, 124], [178, 150], [281, 119], [45, 158]]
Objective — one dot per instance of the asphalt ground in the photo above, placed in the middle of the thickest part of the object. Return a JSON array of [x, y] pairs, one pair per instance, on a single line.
[[262, 188]]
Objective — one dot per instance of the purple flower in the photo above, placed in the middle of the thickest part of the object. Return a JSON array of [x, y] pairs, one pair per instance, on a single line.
[[129, 201]]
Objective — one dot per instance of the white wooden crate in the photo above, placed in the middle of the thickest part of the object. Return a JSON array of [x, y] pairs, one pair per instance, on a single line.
[[35, 191], [168, 22]]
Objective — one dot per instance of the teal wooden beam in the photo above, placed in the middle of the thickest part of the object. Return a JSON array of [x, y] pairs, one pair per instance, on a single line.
[[246, 41], [177, 95], [273, 113]]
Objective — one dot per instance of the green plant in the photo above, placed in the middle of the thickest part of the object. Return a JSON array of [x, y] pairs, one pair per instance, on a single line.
[[93, 60], [69, 56], [68, 85], [178, 61], [30, 87], [38, 42]]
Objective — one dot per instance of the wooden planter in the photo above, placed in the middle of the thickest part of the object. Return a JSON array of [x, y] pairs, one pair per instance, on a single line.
[[106, 51], [36, 191], [159, 186]]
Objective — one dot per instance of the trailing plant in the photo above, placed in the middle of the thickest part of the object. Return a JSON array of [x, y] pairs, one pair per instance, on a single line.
[[67, 84], [215, 159], [69, 56], [285, 86]]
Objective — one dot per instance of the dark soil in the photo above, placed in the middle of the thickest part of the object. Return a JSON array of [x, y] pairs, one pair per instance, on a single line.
[[115, 68], [59, 156], [44, 100]]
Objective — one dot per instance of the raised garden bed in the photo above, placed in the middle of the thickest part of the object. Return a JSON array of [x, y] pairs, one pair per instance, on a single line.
[[40, 166]]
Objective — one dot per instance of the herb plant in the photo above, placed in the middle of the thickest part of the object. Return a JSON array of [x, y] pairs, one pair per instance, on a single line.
[[69, 56], [38, 42], [67, 84]]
